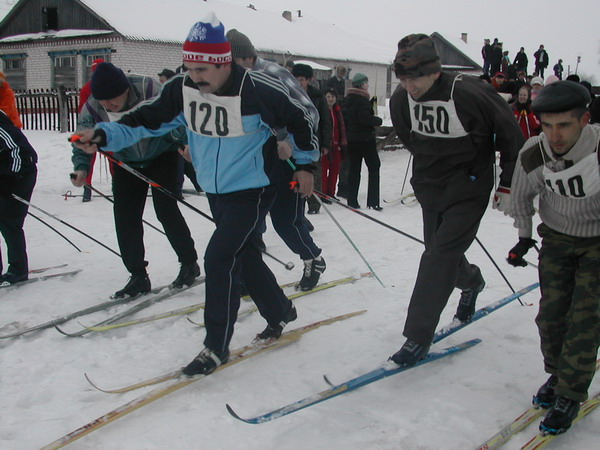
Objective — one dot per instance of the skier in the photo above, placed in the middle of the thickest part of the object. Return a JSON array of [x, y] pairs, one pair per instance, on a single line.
[[113, 95], [452, 124], [18, 173], [287, 213], [229, 114], [560, 166]]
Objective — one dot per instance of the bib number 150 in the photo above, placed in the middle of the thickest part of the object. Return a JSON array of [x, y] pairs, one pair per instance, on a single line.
[[207, 121], [432, 119]]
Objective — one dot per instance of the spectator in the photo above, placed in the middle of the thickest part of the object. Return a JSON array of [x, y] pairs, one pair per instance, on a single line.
[[289, 65], [536, 86], [527, 120], [505, 64], [84, 94], [486, 55], [595, 105], [360, 128], [574, 77], [558, 69], [18, 174], [496, 60], [8, 103], [541, 60], [332, 161], [165, 75], [337, 83], [521, 61]]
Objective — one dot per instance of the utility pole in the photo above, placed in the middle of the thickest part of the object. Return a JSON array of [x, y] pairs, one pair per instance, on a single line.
[[577, 66]]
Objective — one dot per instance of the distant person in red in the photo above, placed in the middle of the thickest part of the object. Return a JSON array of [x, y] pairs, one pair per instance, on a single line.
[[527, 120], [84, 94], [8, 103]]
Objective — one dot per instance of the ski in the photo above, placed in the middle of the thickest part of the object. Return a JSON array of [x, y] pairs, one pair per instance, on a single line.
[[44, 269], [40, 278], [541, 440], [65, 318], [177, 382], [378, 374], [138, 307], [520, 423], [192, 308], [481, 313], [387, 370]]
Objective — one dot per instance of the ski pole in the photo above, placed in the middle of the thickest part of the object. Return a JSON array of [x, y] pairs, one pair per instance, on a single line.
[[65, 223], [360, 213], [498, 268], [101, 194], [53, 229], [131, 170], [406, 174], [294, 184]]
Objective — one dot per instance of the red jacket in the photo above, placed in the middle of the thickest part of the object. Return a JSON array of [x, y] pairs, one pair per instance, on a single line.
[[8, 103]]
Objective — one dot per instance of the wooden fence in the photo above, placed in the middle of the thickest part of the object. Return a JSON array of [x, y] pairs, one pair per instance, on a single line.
[[48, 109]]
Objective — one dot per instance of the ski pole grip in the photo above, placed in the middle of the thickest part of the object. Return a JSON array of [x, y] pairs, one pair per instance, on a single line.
[[74, 138], [293, 184]]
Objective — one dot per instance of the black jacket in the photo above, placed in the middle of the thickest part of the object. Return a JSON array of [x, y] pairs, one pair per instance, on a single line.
[[17, 156], [325, 125], [359, 116]]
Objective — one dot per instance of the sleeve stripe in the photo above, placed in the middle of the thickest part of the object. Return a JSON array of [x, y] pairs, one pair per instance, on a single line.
[[13, 148]]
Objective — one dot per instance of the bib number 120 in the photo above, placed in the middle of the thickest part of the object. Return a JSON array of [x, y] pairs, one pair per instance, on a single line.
[[207, 121]]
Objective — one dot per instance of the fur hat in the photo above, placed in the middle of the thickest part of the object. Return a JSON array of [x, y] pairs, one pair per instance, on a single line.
[[416, 57], [206, 43], [561, 96], [302, 70], [241, 46], [359, 79], [108, 81]]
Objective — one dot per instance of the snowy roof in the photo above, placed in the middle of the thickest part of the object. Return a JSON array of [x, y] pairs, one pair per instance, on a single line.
[[165, 21], [314, 65], [54, 34]]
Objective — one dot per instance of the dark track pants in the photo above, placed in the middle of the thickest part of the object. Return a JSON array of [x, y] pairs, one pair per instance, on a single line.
[[447, 234], [12, 218], [130, 199], [232, 256], [357, 151]]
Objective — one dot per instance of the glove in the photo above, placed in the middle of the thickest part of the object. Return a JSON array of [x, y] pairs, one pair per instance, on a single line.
[[515, 255], [502, 199]]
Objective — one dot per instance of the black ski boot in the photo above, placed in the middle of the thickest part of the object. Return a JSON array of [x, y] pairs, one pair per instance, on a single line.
[[87, 194], [187, 274], [466, 304], [560, 416], [10, 278], [206, 362], [546, 396], [137, 284], [274, 331], [410, 354], [313, 268]]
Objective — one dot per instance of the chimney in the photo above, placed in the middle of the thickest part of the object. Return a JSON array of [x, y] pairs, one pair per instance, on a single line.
[[299, 13], [287, 15], [251, 6], [463, 36]]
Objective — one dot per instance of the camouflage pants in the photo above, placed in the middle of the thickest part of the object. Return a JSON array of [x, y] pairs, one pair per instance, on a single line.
[[569, 317]]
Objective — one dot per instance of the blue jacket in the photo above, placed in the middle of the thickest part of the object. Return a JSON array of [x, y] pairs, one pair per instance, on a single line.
[[227, 164]]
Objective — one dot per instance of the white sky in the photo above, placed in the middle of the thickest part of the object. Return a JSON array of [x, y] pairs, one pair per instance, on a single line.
[[567, 30]]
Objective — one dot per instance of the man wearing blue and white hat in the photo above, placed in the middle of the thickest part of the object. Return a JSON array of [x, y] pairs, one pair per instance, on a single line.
[[229, 114]]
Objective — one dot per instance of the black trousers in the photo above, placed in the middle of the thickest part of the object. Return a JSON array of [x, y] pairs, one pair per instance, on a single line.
[[12, 218], [130, 199], [448, 233], [232, 256], [357, 151]]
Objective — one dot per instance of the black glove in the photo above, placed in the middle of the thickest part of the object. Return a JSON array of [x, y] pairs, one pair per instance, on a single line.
[[515, 255]]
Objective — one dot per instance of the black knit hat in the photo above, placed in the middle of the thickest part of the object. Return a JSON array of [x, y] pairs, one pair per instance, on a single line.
[[561, 96], [108, 82], [302, 70], [241, 46], [416, 57]]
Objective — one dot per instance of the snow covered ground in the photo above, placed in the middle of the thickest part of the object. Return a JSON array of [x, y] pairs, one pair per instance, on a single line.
[[455, 403]]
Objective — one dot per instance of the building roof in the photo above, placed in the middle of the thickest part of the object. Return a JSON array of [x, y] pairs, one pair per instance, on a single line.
[[169, 22]]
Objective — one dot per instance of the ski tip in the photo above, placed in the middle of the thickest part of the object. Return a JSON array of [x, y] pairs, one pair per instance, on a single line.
[[234, 414], [64, 332], [94, 385], [328, 381]]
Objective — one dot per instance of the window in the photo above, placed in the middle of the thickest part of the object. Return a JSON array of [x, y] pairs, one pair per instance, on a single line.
[[49, 19], [14, 69], [64, 72], [89, 60]]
